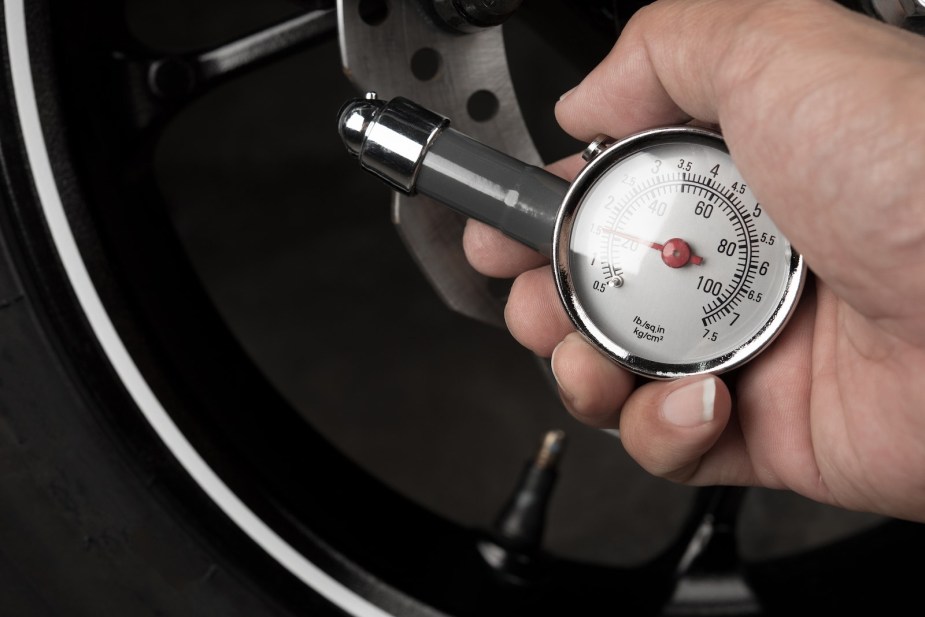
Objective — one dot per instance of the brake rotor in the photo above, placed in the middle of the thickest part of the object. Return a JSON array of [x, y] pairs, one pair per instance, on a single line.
[[397, 48]]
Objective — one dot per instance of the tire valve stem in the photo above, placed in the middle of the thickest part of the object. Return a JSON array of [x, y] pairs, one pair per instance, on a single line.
[[551, 450], [515, 542]]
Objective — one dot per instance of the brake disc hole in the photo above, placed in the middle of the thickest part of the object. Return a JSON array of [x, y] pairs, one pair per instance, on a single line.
[[374, 12], [426, 63], [482, 105]]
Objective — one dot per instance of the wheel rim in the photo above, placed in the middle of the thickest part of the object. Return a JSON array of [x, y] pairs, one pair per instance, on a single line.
[[307, 553]]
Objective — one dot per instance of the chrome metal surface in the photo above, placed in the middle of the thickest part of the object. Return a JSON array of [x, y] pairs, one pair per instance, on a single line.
[[378, 57], [264, 44], [354, 119], [446, 11], [390, 139], [597, 146], [471, 15], [172, 77]]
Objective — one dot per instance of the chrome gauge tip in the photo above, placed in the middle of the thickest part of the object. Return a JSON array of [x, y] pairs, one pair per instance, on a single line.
[[354, 118], [389, 138], [551, 450]]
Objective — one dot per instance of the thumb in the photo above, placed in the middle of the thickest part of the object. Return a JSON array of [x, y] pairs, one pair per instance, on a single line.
[[678, 429]]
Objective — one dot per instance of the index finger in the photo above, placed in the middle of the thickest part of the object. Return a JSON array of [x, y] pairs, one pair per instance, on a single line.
[[644, 81], [681, 59]]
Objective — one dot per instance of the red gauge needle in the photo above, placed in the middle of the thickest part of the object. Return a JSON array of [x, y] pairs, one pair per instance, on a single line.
[[675, 252]]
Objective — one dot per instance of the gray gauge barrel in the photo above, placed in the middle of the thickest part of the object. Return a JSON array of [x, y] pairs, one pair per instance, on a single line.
[[413, 149], [519, 199]]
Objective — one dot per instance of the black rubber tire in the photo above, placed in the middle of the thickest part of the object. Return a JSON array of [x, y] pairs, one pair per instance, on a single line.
[[86, 528], [96, 516]]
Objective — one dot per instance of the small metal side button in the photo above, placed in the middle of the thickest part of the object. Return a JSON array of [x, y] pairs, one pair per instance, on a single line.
[[597, 146]]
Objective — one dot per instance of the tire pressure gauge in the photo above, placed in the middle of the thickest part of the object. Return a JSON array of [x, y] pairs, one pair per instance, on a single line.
[[666, 261], [663, 258]]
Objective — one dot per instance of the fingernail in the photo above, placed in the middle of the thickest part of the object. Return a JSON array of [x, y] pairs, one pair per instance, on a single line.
[[562, 98], [565, 394], [691, 405]]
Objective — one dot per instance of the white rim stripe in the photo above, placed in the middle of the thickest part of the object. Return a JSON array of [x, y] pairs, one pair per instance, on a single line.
[[218, 491]]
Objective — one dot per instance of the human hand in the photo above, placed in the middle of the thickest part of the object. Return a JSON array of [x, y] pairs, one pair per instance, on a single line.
[[820, 108]]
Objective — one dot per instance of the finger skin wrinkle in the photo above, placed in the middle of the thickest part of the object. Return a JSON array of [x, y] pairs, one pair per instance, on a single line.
[[495, 255], [534, 314]]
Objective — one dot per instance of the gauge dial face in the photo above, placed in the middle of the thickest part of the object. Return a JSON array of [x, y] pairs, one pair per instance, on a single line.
[[668, 262]]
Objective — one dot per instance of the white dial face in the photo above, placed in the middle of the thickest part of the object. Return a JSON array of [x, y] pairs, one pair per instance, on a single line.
[[673, 261]]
